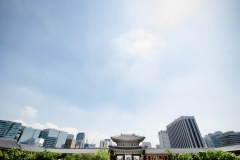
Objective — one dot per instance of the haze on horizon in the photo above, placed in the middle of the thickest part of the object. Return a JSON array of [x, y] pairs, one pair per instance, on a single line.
[[111, 67]]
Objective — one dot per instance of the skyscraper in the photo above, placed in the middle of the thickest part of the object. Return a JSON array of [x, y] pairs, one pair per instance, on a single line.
[[53, 138], [29, 136], [9, 129], [184, 133], [80, 136], [80, 139], [164, 139]]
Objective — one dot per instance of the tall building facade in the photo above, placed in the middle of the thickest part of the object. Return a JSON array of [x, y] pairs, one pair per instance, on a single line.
[[29, 136], [53, 138], [184, 133], [228, 139], [105, 143], [9, 129], [80, 139], [70, 143], [164, 139]]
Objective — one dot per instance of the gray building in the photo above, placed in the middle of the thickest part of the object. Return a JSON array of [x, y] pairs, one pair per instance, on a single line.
[[70, 136], [9, 129], [184, 133], [147, 144], [157, 146], [53, 138], [228, 139], [70, 143], [163, 139], [29, 136], [211, 139]]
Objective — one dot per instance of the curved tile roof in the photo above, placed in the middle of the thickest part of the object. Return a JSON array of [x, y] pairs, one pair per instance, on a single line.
[[128, 137]]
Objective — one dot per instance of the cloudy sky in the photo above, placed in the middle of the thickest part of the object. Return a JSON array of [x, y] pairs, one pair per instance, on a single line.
[[111, 67]]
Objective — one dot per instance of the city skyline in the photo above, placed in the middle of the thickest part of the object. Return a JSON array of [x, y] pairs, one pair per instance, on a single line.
[[100, 67]]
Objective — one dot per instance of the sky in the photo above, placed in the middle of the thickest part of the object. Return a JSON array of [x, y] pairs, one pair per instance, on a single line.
[[111, 67]]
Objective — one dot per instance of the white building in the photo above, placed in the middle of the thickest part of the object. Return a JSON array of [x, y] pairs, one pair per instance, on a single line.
[[105, 143]]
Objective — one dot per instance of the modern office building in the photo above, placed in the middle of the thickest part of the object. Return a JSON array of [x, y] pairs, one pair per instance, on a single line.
[[29, 136], [53, 138], [80, 136], [80, 140], [9, 129], [211, 139], [184, 133], [105, 143], [148, 144], [228, 139], [157, 146], [70, 143], [79, 144], [70, 136], [163, 139]]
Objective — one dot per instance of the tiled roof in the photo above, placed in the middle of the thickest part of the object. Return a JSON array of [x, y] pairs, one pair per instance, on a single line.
[[8, 143], [31, 148], [128, 137], [127, 147], [176, 150]]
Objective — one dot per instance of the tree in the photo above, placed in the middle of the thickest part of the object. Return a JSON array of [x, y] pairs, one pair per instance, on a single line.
[[171, 155], [47, 155], [102, 154], [185, 156]]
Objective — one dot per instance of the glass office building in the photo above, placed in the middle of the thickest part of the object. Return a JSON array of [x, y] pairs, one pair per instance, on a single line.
[[29, 136], [81, 136], [53, 138], [9, 129], [163, 139]]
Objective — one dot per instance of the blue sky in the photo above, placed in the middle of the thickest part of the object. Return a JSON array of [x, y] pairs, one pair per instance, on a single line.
[[111, 67]]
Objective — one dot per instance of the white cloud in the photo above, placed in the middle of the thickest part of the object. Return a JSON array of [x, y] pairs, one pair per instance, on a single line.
[[140, 42], [169, 13], [29, 111]]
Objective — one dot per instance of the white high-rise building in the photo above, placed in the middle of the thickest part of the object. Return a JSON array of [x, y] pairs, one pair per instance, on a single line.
[[164, 139], [105, 143]]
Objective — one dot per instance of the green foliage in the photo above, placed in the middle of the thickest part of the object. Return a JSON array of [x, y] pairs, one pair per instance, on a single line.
[[209, 155], [47, 155], [171, 155], [73, 157], [185, 156], [88, 156], [102, 154], [1, 154]]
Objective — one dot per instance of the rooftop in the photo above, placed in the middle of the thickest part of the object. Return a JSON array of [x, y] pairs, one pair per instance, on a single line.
[[128, 137]]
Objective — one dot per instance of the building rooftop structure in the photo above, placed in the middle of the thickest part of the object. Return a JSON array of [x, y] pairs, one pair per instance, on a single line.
[[127, 137], [8, 143]]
